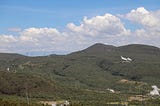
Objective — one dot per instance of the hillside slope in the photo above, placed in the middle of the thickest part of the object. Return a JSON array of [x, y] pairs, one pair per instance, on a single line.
[[95, 68]]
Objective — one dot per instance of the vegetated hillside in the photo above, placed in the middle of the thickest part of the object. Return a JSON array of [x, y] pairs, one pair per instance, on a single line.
[[10, 55], [20, 84], [88, 72]]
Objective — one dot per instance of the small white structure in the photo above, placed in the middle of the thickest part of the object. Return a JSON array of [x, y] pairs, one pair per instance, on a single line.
[[155, 90], [54, 104], [129, 59], [123, 58], [111, 90], [126, 59], [8, 69], [66, 103]]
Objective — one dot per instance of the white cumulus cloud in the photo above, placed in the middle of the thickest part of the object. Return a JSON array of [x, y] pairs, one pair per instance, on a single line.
[[143, 17], [107, 28], [32, 39], [149, 33], [107, 25]]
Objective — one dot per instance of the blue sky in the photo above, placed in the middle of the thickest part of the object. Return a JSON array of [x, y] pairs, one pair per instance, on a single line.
[[57, 13], [18, 15]]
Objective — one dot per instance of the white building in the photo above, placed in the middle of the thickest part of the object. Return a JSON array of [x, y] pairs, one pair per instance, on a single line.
[[126, 59], [53, 104], [111, 90], [8, 69], [155, 90]]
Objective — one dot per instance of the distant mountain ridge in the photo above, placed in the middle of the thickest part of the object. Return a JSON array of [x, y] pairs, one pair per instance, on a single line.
[[140, 48], [100, 47]]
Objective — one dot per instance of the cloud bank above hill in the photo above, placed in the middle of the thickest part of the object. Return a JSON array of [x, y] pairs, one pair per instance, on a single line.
[[108, 29]]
